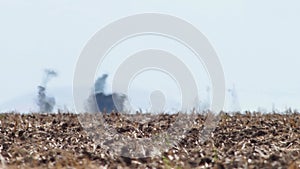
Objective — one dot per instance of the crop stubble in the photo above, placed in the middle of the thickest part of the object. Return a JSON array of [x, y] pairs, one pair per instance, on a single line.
[[250, 140]]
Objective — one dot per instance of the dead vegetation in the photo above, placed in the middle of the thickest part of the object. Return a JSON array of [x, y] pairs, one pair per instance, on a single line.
[[250, 140]]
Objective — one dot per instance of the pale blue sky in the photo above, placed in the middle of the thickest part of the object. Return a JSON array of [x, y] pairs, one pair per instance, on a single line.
[[257, 42]]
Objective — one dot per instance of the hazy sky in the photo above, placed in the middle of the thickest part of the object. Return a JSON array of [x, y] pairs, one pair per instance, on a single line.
[[256, 41]]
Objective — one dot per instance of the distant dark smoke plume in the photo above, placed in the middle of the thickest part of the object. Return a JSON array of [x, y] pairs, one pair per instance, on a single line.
[[45, 103], [100, 84], [99, 101]]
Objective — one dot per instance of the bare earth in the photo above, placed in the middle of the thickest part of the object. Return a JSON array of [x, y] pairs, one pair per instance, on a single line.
[[251, 140]]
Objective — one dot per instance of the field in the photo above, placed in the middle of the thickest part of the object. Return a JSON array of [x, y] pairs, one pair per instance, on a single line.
[[250, 140]]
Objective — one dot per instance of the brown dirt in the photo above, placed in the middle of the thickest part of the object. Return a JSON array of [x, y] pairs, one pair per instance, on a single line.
[[250, 140]]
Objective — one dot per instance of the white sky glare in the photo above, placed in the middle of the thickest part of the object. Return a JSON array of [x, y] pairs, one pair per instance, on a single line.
[[256, 41]]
